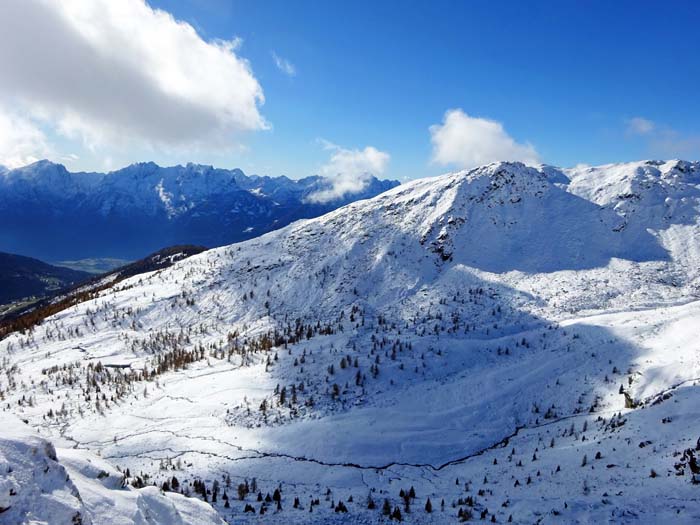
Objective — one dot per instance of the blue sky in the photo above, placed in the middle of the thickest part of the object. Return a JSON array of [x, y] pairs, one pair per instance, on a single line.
[[569, 82]]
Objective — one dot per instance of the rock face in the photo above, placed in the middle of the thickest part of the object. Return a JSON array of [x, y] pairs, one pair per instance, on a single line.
[[50, 213]]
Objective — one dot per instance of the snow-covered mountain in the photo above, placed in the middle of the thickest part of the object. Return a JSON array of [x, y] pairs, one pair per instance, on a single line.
[[50, 213], [512, 343]]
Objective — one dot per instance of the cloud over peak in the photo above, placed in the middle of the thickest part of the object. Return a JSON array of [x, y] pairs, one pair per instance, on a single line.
[[465, 141], [349, 170], [21, 141]]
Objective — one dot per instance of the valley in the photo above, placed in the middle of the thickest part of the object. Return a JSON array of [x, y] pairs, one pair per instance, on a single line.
[[514, 344]]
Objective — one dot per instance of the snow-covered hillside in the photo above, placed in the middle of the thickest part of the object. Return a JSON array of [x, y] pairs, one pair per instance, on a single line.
[[40, 484], [51, 213], [515, 344]]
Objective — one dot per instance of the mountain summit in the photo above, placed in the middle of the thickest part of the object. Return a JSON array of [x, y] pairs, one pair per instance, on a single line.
[[518, 342], [51, 213]]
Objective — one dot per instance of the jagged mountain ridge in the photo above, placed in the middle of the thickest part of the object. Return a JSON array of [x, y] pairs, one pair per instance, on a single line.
[[505, 327], [54, 214]]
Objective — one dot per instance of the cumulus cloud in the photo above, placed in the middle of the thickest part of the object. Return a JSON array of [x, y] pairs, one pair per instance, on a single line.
[[349, 171], [284, 65], [111, 72], [640, 126], [21, 141], [467, 142]]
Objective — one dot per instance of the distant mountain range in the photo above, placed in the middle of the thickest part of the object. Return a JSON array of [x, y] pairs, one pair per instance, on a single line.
[[510, 344], [53, 214]]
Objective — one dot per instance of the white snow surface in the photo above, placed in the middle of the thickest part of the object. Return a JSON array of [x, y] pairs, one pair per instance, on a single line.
[[43, 485], [487, 330]]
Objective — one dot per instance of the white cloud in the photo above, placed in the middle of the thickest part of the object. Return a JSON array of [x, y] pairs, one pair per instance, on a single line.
[[349, 170], [284, 65], [663, 140], [640, 126], [21, 141], [670, 143], [120, 72], [468, 142]]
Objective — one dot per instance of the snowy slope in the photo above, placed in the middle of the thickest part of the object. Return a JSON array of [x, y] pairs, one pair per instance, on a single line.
[[41, 485], [514, 341]]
